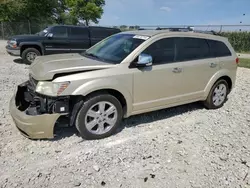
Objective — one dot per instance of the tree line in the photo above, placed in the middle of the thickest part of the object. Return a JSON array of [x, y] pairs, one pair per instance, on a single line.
[[52, 11]]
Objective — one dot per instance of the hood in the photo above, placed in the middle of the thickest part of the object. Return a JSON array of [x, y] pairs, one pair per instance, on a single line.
[[26, 37], [46, 67]]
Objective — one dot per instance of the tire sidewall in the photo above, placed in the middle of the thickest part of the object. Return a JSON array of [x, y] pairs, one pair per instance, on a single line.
[[210, 99], [80, 118], [26, 51]]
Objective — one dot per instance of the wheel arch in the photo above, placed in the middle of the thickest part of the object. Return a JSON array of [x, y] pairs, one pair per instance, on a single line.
[[117, 90], [220, 75], [35, 45]]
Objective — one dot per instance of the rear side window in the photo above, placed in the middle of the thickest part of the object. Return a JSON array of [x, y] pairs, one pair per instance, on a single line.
[[218, 49], [102, 32], [162, 51], [78, 32], [191, 49]]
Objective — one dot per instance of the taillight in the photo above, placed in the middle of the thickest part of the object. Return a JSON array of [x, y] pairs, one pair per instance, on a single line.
[[237, 60]]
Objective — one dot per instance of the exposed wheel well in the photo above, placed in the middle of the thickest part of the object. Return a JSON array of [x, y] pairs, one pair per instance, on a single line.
[[228, 80], [114, 93], [31, 46]]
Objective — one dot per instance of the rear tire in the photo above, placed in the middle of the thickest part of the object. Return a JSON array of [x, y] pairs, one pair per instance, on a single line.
[[217, 95], [29, 55], [99, 117]]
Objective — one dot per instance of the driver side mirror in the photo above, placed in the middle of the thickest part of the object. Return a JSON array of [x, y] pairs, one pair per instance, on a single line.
[[50, 35], [144, 60]]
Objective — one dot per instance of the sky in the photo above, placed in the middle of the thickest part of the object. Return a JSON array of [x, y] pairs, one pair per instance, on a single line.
[[175, 12]]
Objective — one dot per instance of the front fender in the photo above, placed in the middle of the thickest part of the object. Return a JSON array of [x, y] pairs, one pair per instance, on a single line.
[[102, 84], [214, 78]]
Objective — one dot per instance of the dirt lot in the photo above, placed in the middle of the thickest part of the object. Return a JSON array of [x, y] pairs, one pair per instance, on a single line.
[[186, 146]]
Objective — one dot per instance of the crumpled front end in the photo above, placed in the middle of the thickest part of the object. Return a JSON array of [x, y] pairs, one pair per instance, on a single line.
[[35, 115]]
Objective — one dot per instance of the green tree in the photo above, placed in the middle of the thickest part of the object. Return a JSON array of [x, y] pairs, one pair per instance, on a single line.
[[32, 10], [86, 10], [9, 9]]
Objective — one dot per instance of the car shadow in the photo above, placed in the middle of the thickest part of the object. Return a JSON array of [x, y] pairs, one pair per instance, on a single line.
[[158, 115], [19, 61], [136, 120]]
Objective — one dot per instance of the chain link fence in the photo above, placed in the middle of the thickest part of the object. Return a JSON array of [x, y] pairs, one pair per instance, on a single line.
[[8, 29]]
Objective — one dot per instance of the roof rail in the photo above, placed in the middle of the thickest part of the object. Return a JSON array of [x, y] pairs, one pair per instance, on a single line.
[[212, 32], [175, 28], [184, 29]]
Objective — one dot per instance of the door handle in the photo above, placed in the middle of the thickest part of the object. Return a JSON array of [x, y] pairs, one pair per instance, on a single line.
[[212, 65], [177, 70]]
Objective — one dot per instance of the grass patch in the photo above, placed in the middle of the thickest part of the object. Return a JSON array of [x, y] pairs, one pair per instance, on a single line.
[[244, 63]]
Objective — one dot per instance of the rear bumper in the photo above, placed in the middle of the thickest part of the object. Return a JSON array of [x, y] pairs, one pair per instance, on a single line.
[[13, 51], [35, 126]]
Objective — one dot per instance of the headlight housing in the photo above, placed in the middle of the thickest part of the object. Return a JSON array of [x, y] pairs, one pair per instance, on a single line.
[[51, 88], [12, 43]]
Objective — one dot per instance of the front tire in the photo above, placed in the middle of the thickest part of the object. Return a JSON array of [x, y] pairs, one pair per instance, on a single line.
[[99, 117], [217, 95], [29, 55]]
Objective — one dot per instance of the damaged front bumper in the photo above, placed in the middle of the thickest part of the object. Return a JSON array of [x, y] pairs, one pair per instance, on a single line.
[[35, 116]]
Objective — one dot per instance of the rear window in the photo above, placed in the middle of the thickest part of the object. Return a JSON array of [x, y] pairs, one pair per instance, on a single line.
[[78, 32], [97, 32], [218, 49]]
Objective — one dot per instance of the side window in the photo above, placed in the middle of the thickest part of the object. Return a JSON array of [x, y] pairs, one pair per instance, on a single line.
[[102, 32], [60, 32], [162, 51], [78, 32], [191, 49], [218, 49]]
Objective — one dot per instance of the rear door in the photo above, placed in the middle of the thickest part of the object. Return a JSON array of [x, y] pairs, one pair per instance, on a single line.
[[79, 39], [196, 64], [58, 43], [99, 33]]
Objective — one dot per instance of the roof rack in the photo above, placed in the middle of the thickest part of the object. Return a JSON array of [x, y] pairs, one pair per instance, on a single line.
[[184, 29], [175, 28]]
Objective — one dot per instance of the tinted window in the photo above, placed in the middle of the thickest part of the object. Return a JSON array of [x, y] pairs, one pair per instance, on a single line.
[[162, 51], [102, 32], [218, 49], [192, 49], [78, 32], [59, 32]]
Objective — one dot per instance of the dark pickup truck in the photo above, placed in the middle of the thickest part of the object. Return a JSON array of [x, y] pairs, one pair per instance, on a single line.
[[57, 39]]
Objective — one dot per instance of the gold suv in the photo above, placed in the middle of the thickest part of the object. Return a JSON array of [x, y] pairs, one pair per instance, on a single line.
[[125, 74]]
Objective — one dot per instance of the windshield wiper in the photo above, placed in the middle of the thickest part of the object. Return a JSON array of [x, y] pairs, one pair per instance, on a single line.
[[92, 55]]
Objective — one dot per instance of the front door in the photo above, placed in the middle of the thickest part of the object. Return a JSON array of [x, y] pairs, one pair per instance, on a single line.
[[160, 84], [58, 43]]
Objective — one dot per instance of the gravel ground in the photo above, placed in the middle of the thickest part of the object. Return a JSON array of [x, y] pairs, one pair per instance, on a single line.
[[186, 146]]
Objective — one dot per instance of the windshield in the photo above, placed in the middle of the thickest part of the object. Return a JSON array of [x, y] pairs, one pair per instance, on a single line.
[[116, 48], [43, 32]]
